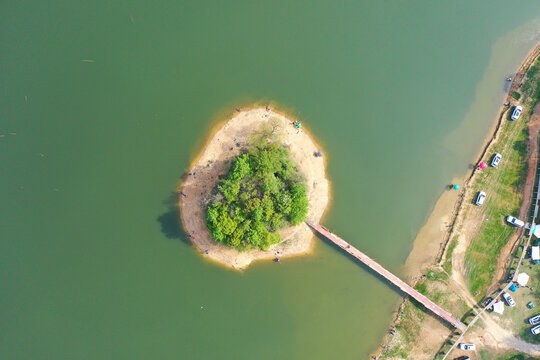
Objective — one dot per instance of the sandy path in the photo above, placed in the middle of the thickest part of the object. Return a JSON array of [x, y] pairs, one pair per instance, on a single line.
[[492, 333], [226, 144]]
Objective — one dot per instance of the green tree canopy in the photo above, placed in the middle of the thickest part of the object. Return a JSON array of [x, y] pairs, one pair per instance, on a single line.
[[262, 193]]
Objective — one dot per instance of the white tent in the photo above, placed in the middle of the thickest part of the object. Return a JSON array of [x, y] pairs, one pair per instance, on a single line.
[[523, 279], [536, 231], [498, 307], [535, 253]]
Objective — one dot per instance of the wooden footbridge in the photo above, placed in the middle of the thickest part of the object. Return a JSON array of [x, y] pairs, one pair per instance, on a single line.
[[403, 286]]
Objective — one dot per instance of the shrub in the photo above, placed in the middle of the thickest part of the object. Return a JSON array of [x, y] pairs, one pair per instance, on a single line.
[[262, 193]]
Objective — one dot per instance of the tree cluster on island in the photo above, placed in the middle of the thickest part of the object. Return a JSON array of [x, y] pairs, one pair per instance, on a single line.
[[262, 193]]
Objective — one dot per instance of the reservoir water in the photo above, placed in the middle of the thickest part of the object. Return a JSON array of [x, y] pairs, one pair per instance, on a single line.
[[103, 104]]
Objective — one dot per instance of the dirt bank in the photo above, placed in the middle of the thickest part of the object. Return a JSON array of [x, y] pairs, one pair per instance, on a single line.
[[227, 143]]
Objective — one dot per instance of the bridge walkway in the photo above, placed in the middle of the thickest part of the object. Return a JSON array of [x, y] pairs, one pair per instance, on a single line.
[[403, 286]]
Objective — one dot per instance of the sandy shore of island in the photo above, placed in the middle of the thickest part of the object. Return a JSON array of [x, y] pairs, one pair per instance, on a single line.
[[228, 142]]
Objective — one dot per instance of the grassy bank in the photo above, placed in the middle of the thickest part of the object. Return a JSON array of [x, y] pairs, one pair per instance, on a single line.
[[531, 86], [504, 188], [415, 324], [487, 355]]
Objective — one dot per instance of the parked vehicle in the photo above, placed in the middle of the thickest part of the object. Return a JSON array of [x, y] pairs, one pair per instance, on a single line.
[[534, 320], [516, 222], [506, 296], [469, 346], [480, 198], [486, 303], [535, 330], [496, 160], [516, 113]]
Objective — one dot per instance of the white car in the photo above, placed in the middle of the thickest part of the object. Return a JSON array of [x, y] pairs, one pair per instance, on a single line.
[[534, 320], [506, 296], [535, 330], [516, 113], [467, 346], [516, 222], [480, 198], [496, 160]]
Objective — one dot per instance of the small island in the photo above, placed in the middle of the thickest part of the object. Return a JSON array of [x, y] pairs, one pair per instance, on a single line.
[[249, 193]]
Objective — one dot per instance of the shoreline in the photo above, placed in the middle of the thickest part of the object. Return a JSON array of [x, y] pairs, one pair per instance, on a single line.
[[443, 205], [490, 139], [226, 140], [442, 220]]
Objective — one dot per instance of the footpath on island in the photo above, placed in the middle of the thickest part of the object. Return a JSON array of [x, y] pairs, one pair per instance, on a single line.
[[228, 142]]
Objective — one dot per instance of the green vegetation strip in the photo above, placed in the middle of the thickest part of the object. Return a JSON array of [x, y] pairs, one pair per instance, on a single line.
[[408, 325], [504, 186], [531, 86]]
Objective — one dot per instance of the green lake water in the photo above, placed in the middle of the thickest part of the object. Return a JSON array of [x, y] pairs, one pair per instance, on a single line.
[[93, 264]]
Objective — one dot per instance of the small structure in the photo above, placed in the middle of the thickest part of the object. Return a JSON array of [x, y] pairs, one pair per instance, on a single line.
[[402, 285], [498, 307], [482, 165], [455, 187], [536, 231], [535, 254], [513, 287], [522, 279]]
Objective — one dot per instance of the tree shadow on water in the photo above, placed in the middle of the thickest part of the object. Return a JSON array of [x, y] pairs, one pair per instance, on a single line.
[[170, 223]]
